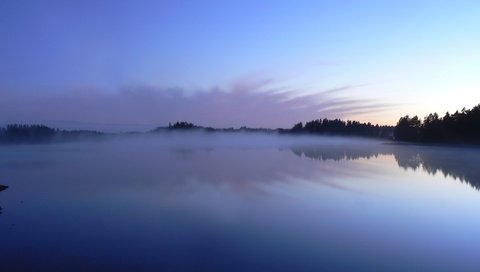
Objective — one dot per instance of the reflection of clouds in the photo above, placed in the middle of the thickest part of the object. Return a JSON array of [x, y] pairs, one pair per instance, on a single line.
[[173, 165], [244, 163], [238, 169]]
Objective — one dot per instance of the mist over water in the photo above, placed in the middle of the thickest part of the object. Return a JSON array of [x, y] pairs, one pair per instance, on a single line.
[[238, 202]]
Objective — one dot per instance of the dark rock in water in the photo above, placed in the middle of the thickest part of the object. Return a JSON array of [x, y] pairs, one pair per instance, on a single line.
[[3, 187]]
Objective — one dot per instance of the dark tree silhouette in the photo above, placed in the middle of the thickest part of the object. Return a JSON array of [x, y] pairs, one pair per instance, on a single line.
[[30, 134], [186, 126], [297, 127], [460, 127], [26, 134], [407, 129], [340, 127], [181, 125]]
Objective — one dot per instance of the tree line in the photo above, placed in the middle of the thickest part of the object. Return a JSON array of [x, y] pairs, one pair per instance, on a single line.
[[18, 134], [461, 127], [340, 127]]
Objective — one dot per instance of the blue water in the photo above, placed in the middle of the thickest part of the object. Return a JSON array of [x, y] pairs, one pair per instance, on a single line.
[[239, 203]]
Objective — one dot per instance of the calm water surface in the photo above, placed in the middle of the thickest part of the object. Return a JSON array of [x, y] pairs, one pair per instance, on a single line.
[[239, 203]]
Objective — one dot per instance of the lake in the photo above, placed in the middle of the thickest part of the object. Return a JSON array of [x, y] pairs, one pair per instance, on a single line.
[[239, 202]]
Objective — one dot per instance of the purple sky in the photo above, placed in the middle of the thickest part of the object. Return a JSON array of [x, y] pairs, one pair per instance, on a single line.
[[251, 103], [142, 63]]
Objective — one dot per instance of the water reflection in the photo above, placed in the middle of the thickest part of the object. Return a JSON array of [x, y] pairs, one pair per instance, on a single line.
[[2, 188], [243, 164], [459, 163], [234, 203]]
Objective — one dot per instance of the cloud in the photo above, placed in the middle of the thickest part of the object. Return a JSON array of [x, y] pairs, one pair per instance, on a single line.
[[251, 103]]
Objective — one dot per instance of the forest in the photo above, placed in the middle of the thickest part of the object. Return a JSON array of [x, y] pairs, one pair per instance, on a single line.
[[340, 127], [461, 127], [22, 134]]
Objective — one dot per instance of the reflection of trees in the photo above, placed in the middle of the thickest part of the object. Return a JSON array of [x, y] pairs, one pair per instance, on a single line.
[[337, 153], [458, 163]]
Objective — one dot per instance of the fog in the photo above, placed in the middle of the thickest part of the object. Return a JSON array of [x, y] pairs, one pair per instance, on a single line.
[[200, 139], [237, 201], [457, 162]]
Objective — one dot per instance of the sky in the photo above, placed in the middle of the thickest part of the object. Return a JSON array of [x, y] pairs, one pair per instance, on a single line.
[[137, 64]]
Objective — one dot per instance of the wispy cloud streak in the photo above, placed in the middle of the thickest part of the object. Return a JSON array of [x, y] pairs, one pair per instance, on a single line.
[[254, 104]]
